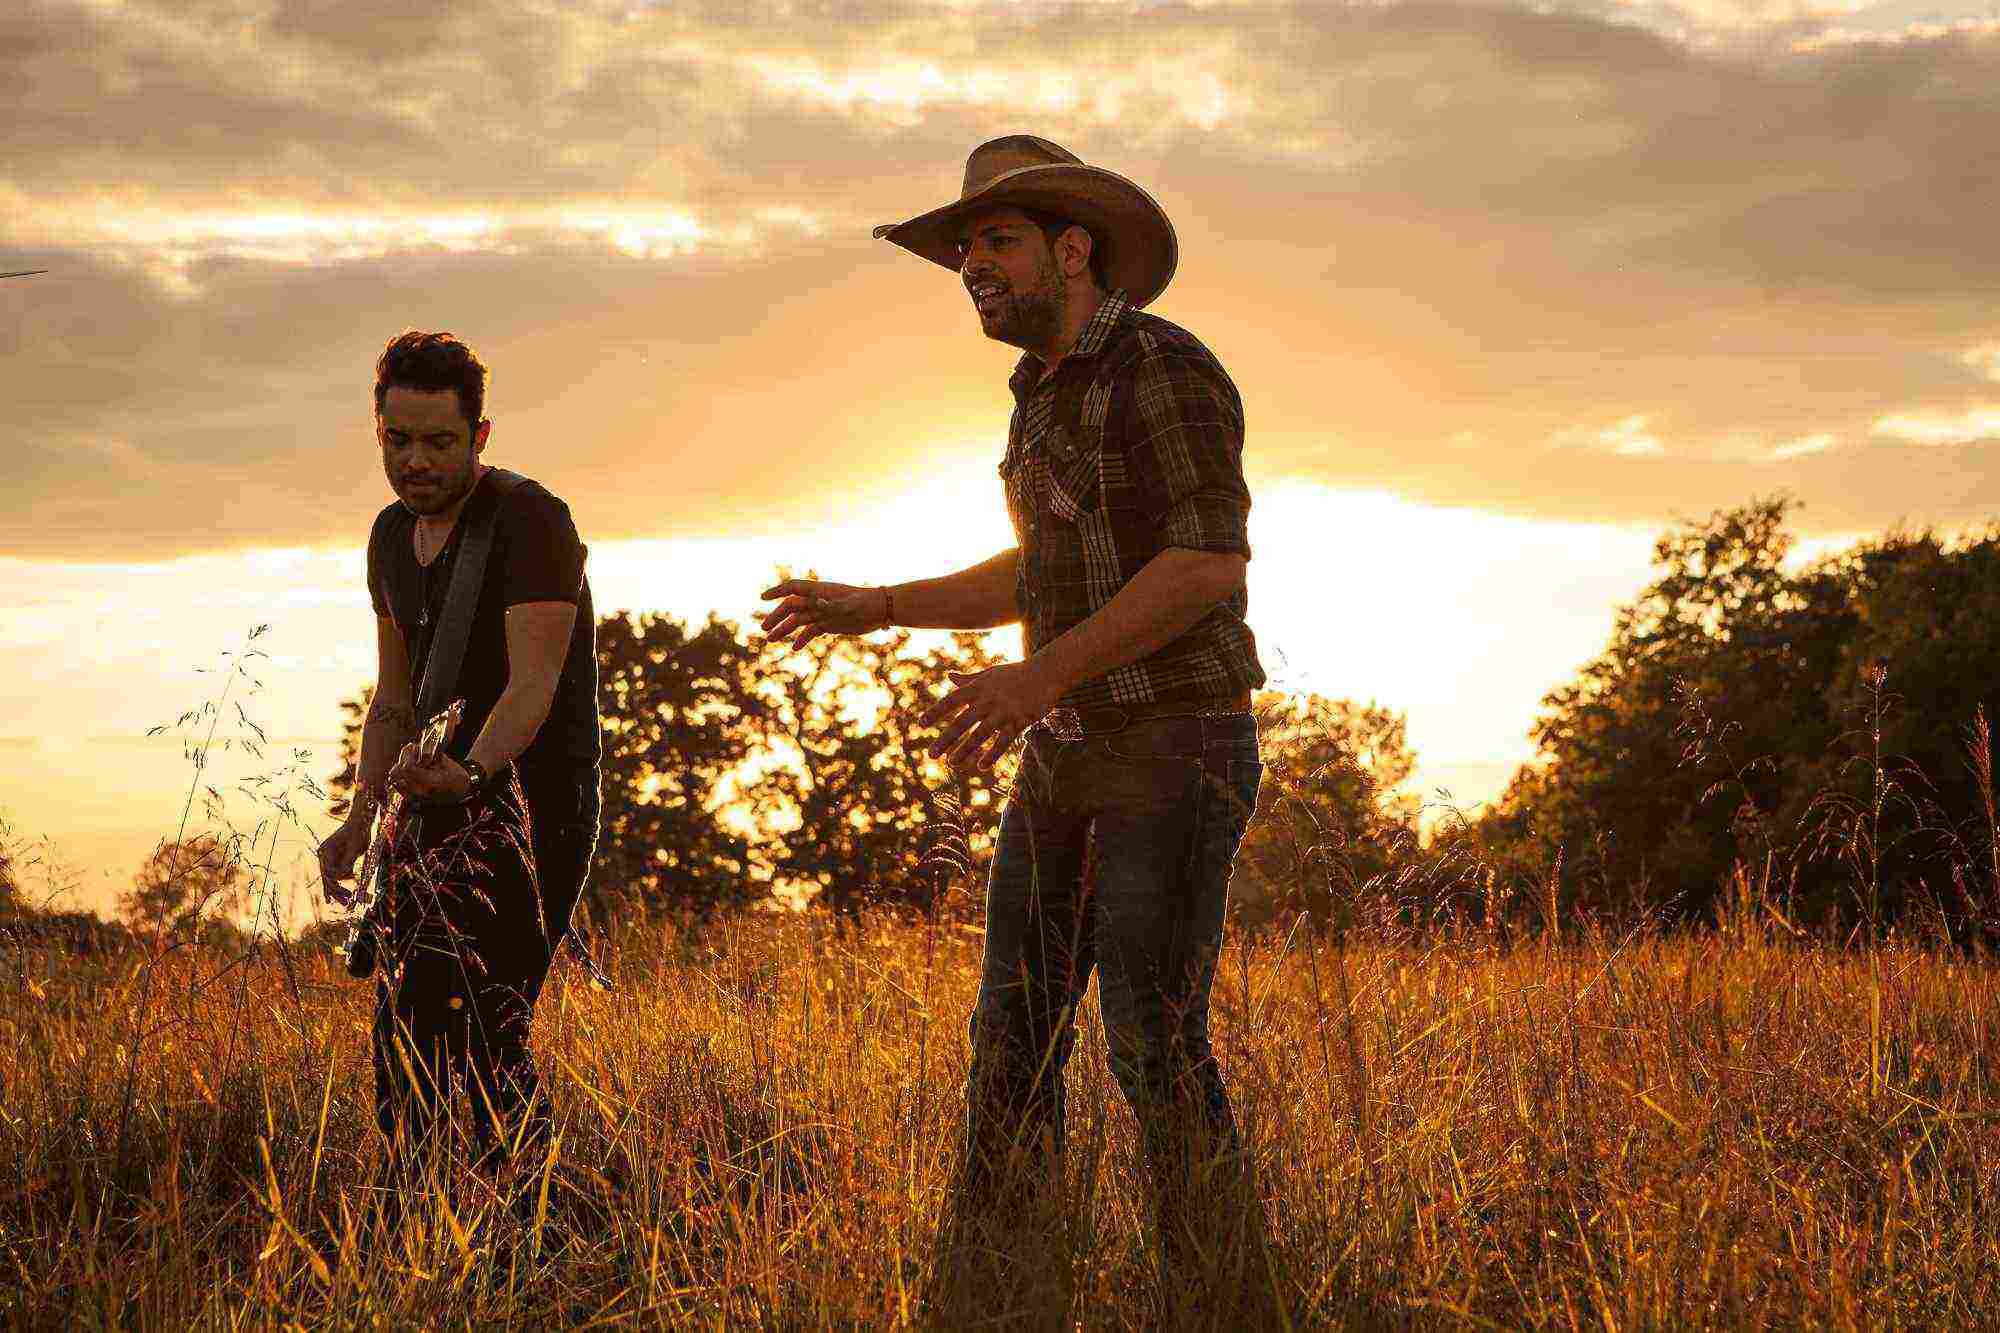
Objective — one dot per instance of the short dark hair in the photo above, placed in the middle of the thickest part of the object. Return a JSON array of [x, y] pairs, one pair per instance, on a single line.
[[1055, 224], [430, 362]]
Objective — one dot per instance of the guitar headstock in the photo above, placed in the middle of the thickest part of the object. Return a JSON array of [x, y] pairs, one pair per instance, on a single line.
[[438, 731]]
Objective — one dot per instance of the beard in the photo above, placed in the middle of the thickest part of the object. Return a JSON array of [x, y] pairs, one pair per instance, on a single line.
[[442, 494], [1032, 318]]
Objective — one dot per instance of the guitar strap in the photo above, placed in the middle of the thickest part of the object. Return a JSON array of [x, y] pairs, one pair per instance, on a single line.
[[444, 654], [445, 651]]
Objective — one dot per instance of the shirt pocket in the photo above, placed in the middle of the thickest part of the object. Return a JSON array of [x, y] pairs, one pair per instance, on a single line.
[[1074, 486]]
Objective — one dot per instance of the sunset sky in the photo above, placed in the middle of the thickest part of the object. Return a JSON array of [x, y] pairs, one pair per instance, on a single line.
[[1507, 289]]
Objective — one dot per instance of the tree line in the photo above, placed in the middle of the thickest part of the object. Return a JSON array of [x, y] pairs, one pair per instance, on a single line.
[[738, 772], [1806, 744]]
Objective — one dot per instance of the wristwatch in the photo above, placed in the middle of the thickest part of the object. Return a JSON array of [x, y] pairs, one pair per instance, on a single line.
[[480, 777]]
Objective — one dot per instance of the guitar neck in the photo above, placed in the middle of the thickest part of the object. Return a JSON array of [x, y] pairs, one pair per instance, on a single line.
[[436, 732], [378, 847]]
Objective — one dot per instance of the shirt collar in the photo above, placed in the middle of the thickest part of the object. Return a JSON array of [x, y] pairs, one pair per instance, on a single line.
[[1028, 370]]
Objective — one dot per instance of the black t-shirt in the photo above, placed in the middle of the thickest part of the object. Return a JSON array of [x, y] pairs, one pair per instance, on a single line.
[[535, 557]]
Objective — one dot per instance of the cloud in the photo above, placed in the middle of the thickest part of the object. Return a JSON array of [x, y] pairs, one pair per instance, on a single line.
[[1983, 360], [1426, 239], [1627, 439], [1803, 447], [1935, 428]]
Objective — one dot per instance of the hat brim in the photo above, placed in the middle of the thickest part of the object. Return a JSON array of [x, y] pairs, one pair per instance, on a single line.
[[1141, 251]]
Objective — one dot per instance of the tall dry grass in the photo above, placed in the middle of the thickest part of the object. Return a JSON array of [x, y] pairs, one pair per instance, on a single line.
[[1734, 1132], [1567, 1128]]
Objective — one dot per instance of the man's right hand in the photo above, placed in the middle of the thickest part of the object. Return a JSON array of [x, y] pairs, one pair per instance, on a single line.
[[811, 608], [337, 855]]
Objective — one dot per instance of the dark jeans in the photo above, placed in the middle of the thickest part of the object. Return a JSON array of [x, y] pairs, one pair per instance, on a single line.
[[470, 956], [1156, 811]]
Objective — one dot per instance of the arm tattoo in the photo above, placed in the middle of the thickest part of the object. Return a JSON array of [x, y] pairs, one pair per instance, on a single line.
[[396, 715]]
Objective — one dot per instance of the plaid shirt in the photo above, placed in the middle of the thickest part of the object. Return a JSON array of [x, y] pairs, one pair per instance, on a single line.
[[1133, 445]]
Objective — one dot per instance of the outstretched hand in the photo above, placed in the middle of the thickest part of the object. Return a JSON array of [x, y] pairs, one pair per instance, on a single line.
[[988, 711], [812, 607]]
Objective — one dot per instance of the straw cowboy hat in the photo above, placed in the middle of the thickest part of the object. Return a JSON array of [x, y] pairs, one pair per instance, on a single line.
[[1126, 226]]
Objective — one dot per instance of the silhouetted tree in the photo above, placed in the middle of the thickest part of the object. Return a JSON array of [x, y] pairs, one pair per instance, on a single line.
[[1713, 673], [181, 881], [680, 718], [1922, 660], [734, 770], [1739, 712], [864, 802], [1329, 817]]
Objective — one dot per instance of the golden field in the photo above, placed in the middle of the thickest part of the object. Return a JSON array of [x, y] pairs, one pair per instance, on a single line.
[[756, 1129]]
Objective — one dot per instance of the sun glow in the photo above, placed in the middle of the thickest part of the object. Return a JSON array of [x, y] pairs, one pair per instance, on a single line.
[[952, 519], [1462, 620]]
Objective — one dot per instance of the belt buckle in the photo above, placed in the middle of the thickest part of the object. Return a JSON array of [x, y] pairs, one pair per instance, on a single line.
[[1076, 724], [1065, 724]]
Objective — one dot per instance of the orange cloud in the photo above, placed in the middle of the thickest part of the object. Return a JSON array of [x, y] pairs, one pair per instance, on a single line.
[[1943, 427], [1627, 438]]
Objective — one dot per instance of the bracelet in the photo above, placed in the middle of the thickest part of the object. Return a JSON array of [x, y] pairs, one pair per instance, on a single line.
[[480, 779], [889, 607]]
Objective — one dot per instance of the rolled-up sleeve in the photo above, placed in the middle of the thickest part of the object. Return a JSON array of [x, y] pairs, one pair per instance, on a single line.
[[1184, 442]]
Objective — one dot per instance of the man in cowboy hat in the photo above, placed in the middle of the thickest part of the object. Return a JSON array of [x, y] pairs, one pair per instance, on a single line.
[[1124, 481]]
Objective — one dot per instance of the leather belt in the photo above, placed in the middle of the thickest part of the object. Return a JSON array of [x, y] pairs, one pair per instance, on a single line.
[[1102, 719]]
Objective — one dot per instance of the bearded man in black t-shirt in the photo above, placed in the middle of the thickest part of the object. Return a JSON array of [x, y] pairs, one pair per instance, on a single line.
[[510, 805]]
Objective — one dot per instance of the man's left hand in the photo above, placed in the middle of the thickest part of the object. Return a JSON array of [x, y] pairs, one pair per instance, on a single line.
[[442, 779], [989, 710]]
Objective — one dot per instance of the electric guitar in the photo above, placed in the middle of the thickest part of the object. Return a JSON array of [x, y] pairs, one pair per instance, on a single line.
[[365, 937]]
